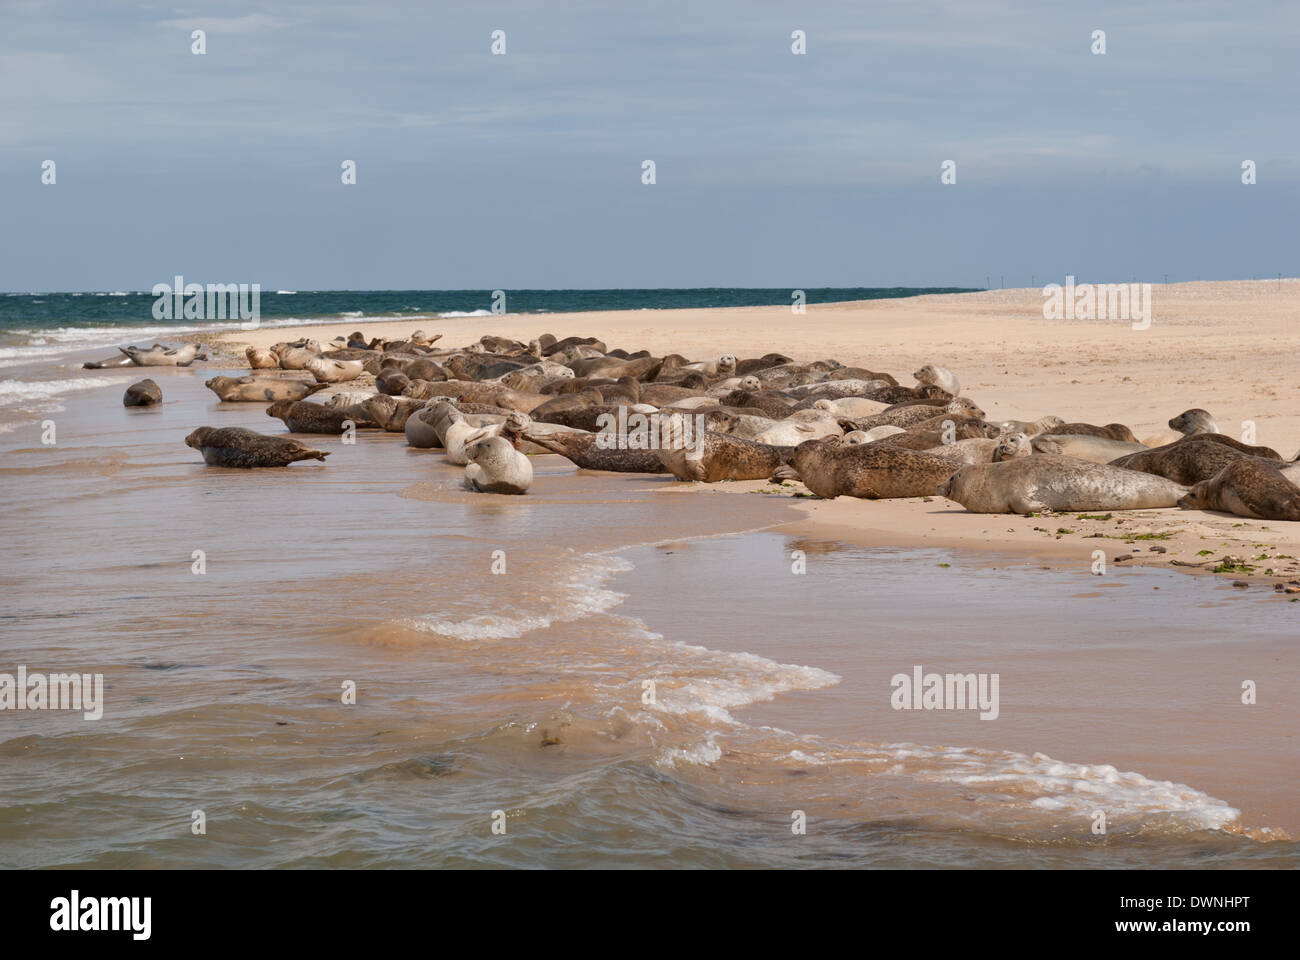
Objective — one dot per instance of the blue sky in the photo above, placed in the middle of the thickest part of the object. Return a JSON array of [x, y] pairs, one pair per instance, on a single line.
[[524, 170]]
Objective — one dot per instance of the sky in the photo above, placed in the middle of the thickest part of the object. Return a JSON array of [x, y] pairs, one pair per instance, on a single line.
[[477, 170]]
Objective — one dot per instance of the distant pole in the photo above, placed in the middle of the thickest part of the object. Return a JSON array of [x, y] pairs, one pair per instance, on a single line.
[[1166, 279], [986, 283], [1031, 281], [1002, 281]]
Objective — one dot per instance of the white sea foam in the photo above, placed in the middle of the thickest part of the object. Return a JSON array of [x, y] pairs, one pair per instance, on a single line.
[[581, 595], [16, 390], [466, 313]]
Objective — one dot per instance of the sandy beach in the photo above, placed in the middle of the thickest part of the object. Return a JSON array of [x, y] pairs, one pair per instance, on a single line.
[[1222, 346]]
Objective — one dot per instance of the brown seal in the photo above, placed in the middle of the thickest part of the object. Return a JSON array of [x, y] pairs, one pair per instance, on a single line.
[[1112, 431], [1194, 421], [145, 393], [304, 417], [237, 447], [1193, 458], [874, 471], [581, 448], [1247, 488]]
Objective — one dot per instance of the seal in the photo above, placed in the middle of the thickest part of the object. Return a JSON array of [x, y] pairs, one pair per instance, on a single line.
[[121, 360], [294, 357], [260, 389], [941, 377], [719, 456], [855, 407], [1111, 431], [1194, 421], [391, 381], [145, 393], [303, 417], [334, 371], [1247, 488], [1009, 446], [967, 429], [966, 452], [1048, 482], [260, 359], [160, 356], [460, 432], [1084, 446], [237, 447], [582, 450], [495, 466], [907, 416], [1031, 428], [872, 471], [1193, 459]]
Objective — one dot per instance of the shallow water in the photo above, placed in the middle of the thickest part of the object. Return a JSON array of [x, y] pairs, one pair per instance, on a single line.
[[525, 692]]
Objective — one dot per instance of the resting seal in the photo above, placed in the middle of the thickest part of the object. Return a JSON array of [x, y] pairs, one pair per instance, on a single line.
[[1247, 488], [495, 466], [237, 447], [259, 359], [334, 371], [260, 389], [965, 452], [160, 356], [582, 450], [1193, 459], [143, 394], [1084, 446], [941, 377], [1112, 431], [1048, 482], [302, 417], [1010, 446], [874, 471], [1194, 421], [720, 456]]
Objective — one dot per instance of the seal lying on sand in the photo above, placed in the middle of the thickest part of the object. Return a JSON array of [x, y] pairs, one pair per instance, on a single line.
[[260, 389], [874, 471], [719, 456], [334, 371], [966, 452], [495, 466], [1112, 431], [237, 447], [160, 356], [143, 394], [121, 360], [941, 377], [1084, 446], [1193, 459], [581, 448], [1194, 421], [1247, 488], [1047, 482], [260, 359], [303, 417]]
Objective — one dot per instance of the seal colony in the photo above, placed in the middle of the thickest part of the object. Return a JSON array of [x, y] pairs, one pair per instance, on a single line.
[[841, 430]]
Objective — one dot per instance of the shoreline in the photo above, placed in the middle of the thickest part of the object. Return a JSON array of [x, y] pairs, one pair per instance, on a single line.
[[1016, 366]]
